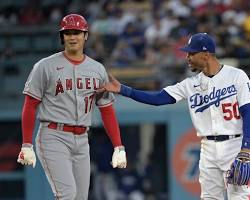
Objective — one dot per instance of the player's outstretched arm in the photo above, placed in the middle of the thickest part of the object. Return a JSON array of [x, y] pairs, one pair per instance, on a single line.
[[148, 97], [112, 86]]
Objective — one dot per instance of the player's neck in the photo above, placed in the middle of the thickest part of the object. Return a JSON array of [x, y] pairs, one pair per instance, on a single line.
[[212, 69], [75, 56]]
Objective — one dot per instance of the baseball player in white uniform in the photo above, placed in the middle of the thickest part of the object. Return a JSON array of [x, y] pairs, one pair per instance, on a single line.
[[219, 104], [62, 87]]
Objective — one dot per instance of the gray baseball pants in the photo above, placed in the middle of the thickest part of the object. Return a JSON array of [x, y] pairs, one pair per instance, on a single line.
[[66, 162]]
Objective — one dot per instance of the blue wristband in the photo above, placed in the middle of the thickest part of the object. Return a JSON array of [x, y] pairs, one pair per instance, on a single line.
[[245, 143], [125, 90], [245, 113]]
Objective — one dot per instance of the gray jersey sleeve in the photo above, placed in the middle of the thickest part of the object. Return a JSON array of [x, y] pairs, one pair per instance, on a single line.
[[106, 98], [36, 82]]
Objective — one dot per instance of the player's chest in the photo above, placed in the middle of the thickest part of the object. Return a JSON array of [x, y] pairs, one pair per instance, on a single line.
[[208, 94], [67, 79]]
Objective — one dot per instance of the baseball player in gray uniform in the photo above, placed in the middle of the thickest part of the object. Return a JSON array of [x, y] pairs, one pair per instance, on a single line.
[[219, 104], [62, 87]]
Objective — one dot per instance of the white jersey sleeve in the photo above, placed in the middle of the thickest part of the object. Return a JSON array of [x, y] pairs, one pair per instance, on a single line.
[[178, 91], [243, 88], [36, 82]]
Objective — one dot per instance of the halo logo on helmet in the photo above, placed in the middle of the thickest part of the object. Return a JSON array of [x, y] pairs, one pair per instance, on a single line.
[[73, 22]]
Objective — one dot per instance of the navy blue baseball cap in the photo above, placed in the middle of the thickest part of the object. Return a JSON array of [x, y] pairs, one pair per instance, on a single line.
[[200, 42]]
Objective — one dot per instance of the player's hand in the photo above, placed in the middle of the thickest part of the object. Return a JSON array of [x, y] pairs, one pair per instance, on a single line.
[[119, 159], [112, 86], [27, 155], [239, 174]]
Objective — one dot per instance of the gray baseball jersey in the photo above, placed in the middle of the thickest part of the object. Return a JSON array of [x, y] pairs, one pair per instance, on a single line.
[[67, 91]]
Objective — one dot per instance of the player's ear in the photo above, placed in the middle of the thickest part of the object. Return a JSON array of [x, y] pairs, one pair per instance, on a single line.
[[206, 55], [86, 34]]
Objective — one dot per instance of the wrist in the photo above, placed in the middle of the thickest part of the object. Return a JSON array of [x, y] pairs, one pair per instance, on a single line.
[[125, 90], [245, 143], [120, 148], [27, 145]]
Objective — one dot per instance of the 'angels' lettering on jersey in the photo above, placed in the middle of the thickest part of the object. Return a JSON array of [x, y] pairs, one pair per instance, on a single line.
[[81, 83], [202, 102]]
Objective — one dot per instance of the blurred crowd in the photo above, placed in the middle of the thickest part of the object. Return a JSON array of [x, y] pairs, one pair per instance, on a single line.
[[144, 33]]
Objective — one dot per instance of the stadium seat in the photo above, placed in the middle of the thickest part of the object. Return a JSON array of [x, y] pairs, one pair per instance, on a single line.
[[13, 3], [3, 42], [42, 43], [57, 43], [46, 3], [4, 4], [18, 3], [12, 79], [20, 43]]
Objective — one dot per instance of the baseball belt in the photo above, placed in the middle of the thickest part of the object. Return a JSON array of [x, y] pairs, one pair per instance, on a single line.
[[221, 138], [76, 130]]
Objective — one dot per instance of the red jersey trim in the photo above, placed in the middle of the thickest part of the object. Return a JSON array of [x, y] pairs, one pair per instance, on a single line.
[[105, 105], [74, 62], [32, 95]]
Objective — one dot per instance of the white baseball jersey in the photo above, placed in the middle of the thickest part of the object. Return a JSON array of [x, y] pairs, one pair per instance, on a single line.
[[214, 102], [67, 90]]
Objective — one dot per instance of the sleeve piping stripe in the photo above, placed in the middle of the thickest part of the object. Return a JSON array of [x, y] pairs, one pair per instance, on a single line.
[[105, 105], [32, 95]]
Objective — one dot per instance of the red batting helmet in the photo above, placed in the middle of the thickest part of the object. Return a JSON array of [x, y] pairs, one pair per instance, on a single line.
[[75, 22]]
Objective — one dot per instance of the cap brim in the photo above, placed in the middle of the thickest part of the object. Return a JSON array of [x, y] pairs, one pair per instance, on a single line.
[[188, 49]]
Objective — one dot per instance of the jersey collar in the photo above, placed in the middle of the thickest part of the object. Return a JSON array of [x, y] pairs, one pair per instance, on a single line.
[[75, 62]]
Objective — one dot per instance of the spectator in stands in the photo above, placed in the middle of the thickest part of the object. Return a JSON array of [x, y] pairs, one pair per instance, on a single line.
[[182, 37], [96, 49], [123, 55], [157, 31], [56, 14], [151, 55], [31, 15], [180, 8], [129, 183], [134, 37]]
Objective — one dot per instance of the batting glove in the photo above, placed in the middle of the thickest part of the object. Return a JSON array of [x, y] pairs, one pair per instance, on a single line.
[[27, 155], [119, 159], [239, 174]]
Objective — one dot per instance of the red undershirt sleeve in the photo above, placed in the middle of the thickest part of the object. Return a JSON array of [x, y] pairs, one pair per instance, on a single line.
[[111, 125], [28, 118]]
